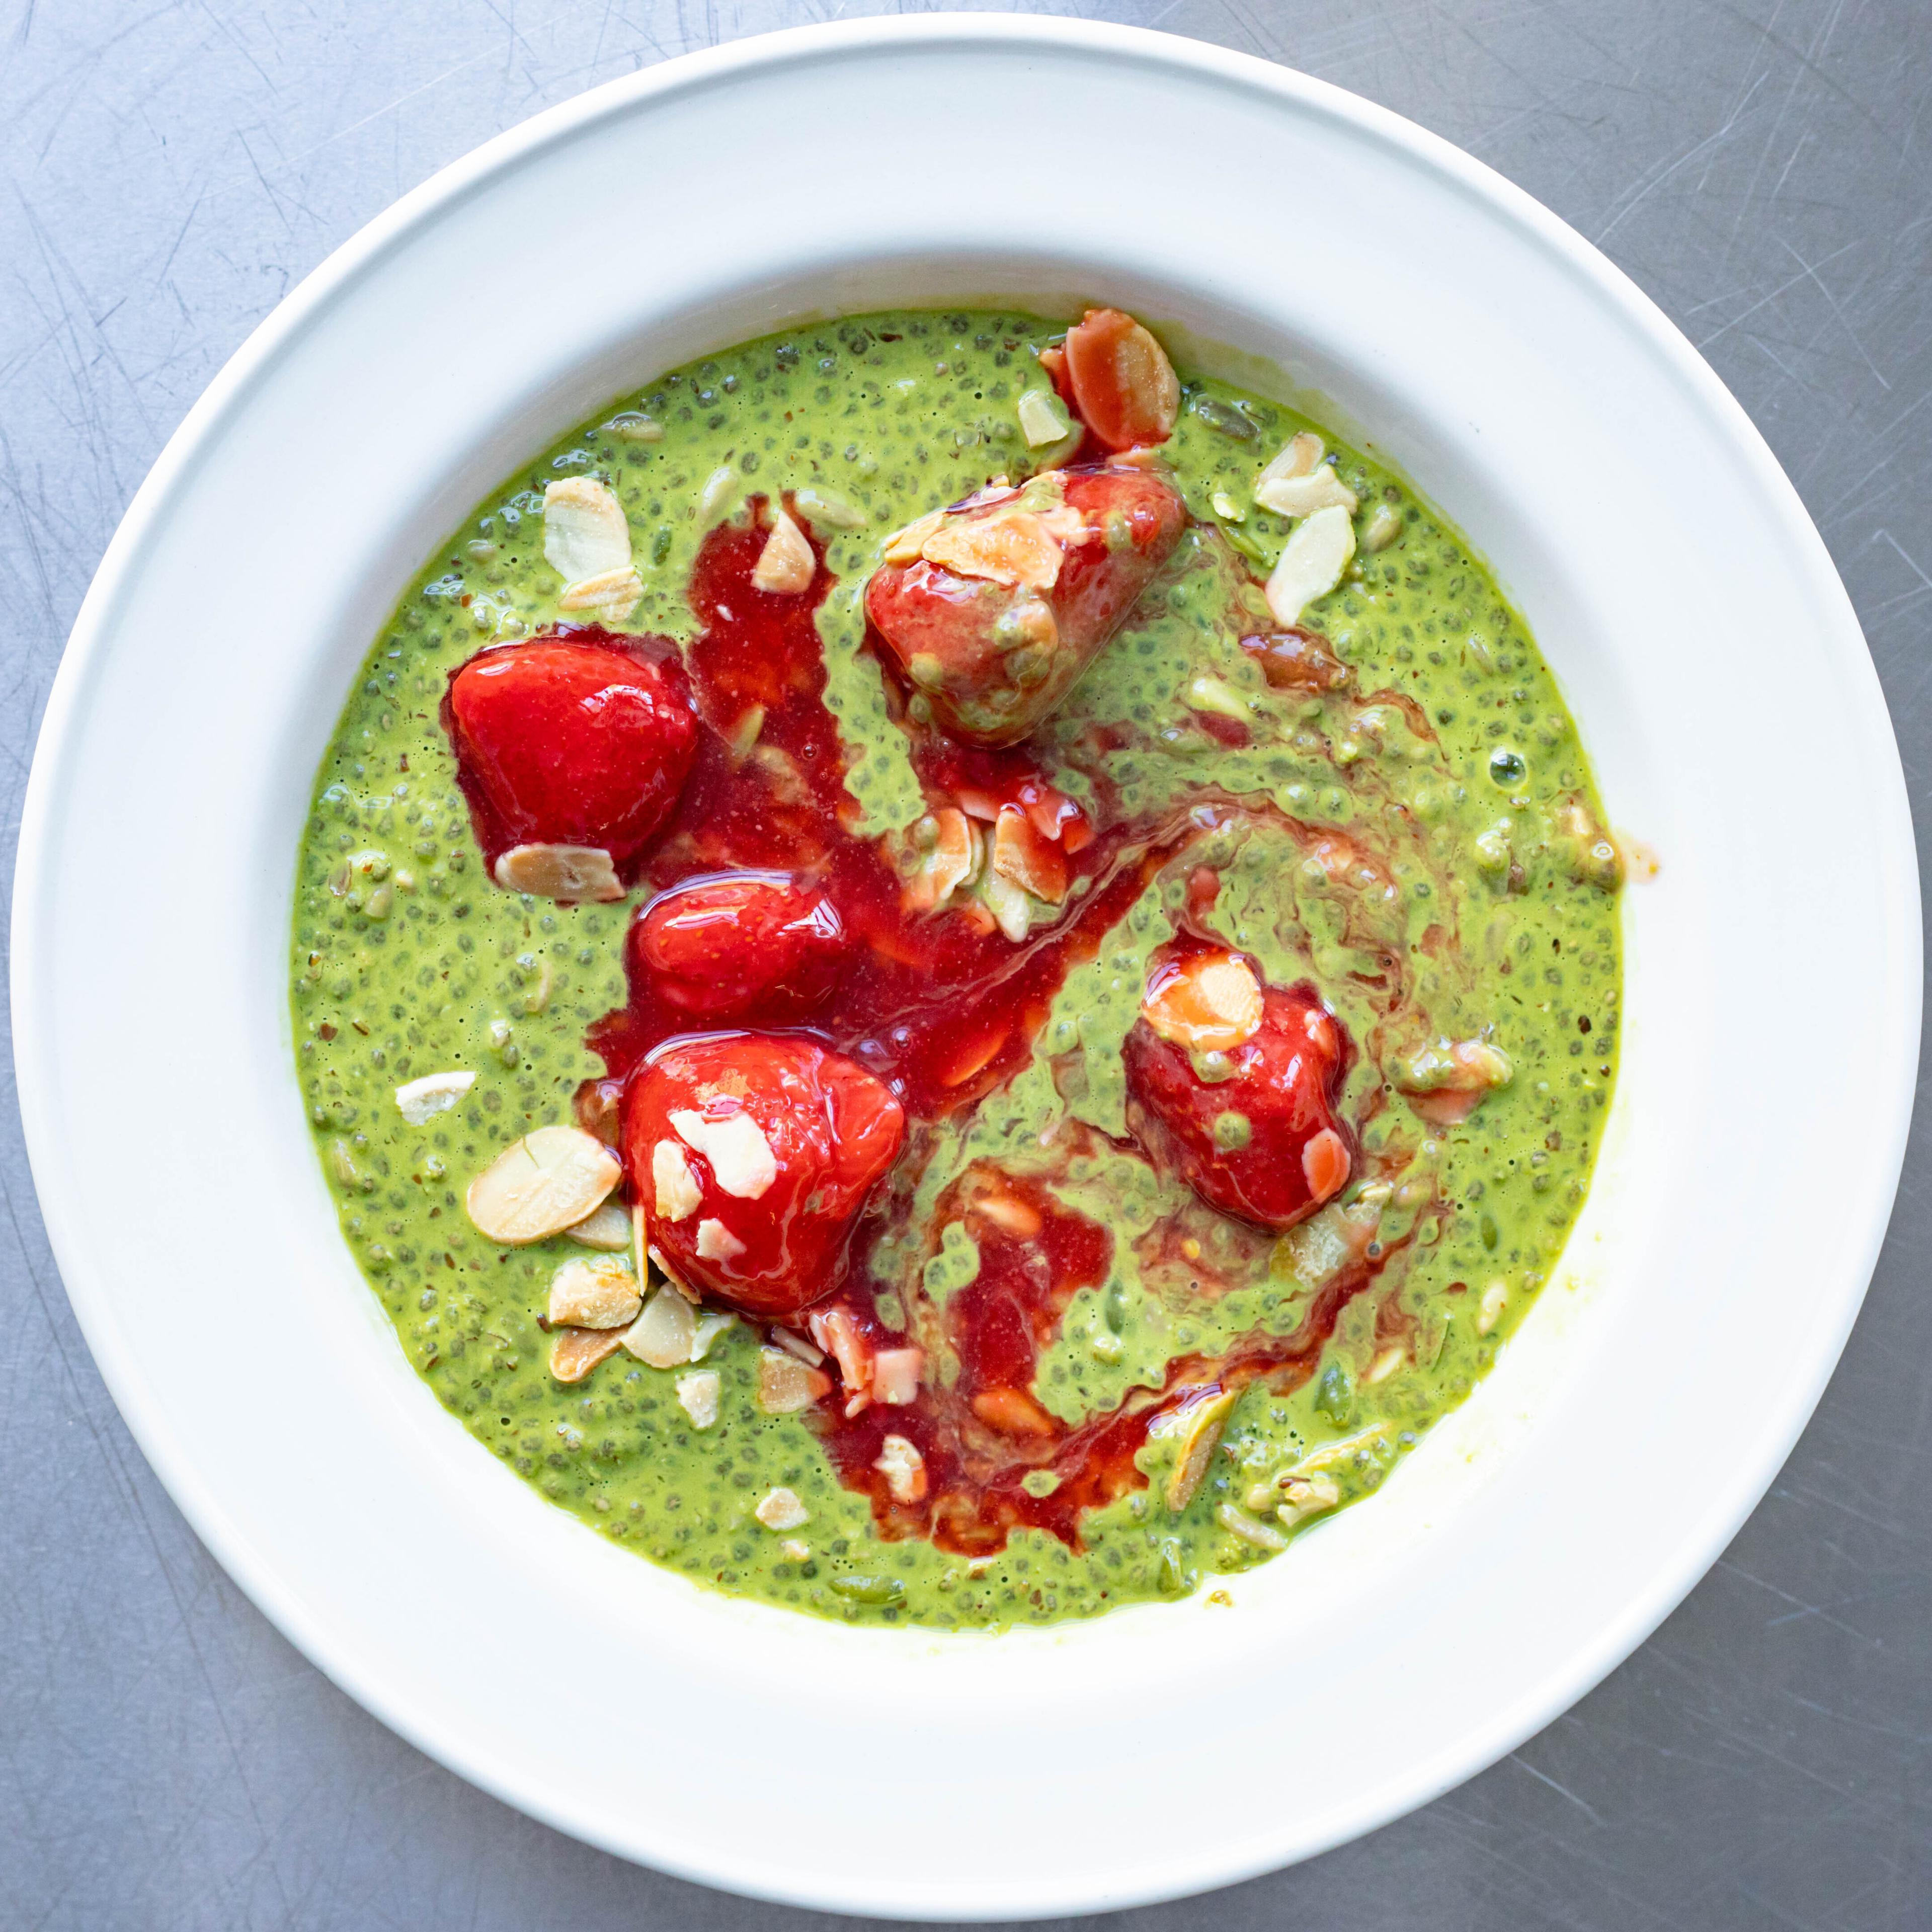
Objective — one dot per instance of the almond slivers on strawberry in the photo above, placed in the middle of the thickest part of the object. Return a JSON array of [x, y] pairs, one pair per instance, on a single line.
[[1208, 1003]]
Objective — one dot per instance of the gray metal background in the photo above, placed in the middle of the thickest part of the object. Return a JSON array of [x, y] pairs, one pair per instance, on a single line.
[[1762, 167]]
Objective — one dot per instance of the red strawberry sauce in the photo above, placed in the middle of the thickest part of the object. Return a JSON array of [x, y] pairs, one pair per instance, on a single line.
[[943, 1012]]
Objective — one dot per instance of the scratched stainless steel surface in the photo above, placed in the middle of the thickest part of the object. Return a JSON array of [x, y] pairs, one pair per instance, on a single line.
[[1762, 167]]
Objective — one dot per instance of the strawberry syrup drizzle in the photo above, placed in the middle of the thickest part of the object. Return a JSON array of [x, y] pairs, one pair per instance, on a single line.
[[944, 1011]]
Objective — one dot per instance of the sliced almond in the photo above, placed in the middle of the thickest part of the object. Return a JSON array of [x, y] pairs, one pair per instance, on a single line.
[[609, 1228], [906, 546], [1200, 1424], [697, 1396], [1043, 419], [896, 1374], [661, 1337], [904, 1468], [1249, 1529], [1010, 547], [433, 1094], [709, 1328], [586, 533], [612, 594], [722, 488], [1303, 452], [677, 1193], [716, 1242], [1303, 496], [1011, 910], [1308, 1495], [1383, 527], [825, 509], [1490, 1309], [598, 1293], [781, 1510], [1325, 1164], [1035, 864], [786, 1385], [791, 1340], [565, 873], [1209, 1003], [1311, 563], [574, 1352], [785, 566], [542, 1185], [742, 1161], [1012, 1412], [951, 861]]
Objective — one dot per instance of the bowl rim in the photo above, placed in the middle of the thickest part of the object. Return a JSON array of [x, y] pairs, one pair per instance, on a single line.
[[307, 303]]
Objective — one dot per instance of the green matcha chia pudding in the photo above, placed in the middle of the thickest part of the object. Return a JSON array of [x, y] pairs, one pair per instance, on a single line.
[[945, 976]]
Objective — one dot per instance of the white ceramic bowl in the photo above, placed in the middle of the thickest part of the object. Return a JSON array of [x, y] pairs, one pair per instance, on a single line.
[[1721, 685]]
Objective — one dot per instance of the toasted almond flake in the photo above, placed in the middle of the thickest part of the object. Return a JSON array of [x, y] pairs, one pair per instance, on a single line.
[[1012, 910], [1013, 546], [1217, 694], [1309, 1496], [1303, 496], [1325, 1164], [709, 1328], [1020, 854], [609, 1228], [697, 1396], [742, 1161], [906, 546], [782, 1510], [1200, 1423], [1302, 453], [904, 1468], [1209, 1003], [1249, 1528], [744, 732], [1490, 1309], [786, 566], [540, 1185], [1372, 1441], [661, 1337], [786, 1385], [1043, 419], [1454, 1066], [677, 1194], [806, 1351], [1311, 564], [586, 533], [836, 1330], [598, 1293], [574, 1352], [896, 1373], [1385, 1364], [1383, 527], [951, 861], [825, 509], [716, 1242], [565, 873], [1225, 507], [799, 1553], [722, 488], [671, 1275], [1019, 1218], [1012, 1412], [433, 1094], [614, 593]]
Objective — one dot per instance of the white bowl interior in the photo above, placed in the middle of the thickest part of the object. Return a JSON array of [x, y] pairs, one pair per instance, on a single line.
[[1670, 576]]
